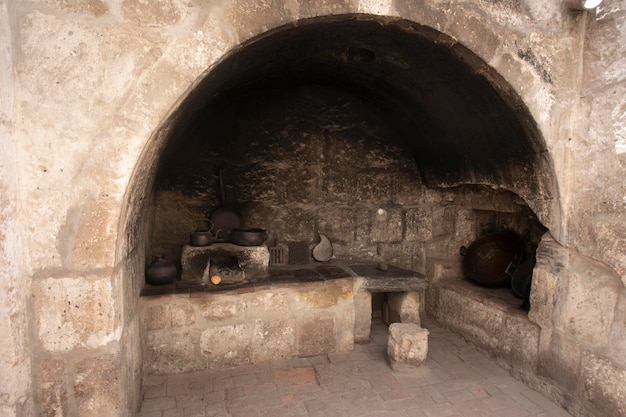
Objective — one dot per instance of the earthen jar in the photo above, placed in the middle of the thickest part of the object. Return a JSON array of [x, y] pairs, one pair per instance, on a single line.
[[161, 271]]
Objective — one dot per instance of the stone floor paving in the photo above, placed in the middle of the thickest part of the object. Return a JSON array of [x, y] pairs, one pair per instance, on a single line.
[[456, 380]]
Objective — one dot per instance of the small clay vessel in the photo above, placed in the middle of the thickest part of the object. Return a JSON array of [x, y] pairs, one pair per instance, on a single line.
[[323, 251], [161, 271]]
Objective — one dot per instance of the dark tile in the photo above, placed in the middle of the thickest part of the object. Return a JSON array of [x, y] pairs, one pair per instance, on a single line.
[[332, 271]]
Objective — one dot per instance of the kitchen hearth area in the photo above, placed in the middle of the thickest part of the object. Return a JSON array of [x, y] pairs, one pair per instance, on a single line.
[[383, 155], [311, 156]]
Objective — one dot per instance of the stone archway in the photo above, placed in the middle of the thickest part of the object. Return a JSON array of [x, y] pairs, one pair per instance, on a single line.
[[341, 50]]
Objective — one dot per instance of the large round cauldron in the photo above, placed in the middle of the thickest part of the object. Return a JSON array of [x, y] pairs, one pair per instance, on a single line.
[[488, 257]]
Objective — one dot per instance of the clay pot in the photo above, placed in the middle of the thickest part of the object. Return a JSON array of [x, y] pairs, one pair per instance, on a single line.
[[201, 237], [161, 271], [248, 237]]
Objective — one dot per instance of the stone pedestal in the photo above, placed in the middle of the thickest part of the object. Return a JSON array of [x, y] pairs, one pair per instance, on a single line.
[[407, 347], [233, 263]]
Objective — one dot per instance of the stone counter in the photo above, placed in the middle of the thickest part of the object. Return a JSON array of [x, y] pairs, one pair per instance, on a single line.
[[374, 280], [290, 312], [205, 330]]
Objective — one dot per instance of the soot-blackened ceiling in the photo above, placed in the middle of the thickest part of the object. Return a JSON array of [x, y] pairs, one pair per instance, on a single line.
[[454, 122]]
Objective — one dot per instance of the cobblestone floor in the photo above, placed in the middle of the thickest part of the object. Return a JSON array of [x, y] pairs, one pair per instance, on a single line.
[[456, 381]]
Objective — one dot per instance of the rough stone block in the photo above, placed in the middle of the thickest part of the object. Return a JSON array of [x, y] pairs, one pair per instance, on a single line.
[[443, 268], [559, 359], [403, 255], [407, 347], [248, 19], [337, 222], [182, 313], [433, 297], [362, 313], [73, 312], [317, 335], [97, 386], [407, 188], [158, 13], [406, 305], [443, 221], [93, 7], [387, 225], [587, 310], [172, 352], [477, 33], [604, 385], [273, 339], [50, 392], [478, 322], [611, 238], [302, 223], [325, 7], [227, 345], [345, 328], [374, 187], [94, 242], [222, 307], [432, 15], [520, 341], [299, 183], [417, 225], [318, 297], [156, 317], [270, 301], [159, 314], [543, 294]]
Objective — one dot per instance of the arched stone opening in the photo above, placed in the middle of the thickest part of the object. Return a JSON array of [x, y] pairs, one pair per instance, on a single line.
[[390, 137]]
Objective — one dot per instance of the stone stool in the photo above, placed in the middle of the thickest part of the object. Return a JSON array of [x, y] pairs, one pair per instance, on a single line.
[[407, 347]]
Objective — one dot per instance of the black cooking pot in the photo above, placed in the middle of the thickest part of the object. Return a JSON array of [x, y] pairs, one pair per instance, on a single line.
[[201, 238], [248, 236]]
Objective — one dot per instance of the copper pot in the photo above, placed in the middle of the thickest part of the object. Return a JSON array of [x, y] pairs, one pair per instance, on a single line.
[[487, 259]]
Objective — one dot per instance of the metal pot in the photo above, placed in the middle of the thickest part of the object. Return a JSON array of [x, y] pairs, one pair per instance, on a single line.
[[161, 271], [487, 259], [248, 236], [202, 237]]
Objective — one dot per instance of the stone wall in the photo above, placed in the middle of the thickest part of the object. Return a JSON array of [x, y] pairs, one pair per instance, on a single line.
[[185, 333], [84, 116], [15, 358], [315, 160], [302, 162]]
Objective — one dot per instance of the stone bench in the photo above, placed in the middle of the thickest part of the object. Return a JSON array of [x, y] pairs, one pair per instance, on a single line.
[[407, 347]]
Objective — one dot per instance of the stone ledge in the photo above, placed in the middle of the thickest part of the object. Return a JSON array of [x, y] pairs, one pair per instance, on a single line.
[[394, 279], [501, 298]]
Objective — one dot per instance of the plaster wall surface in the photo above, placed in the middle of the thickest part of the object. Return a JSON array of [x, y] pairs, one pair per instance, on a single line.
[[87, 85], [14, 351]]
